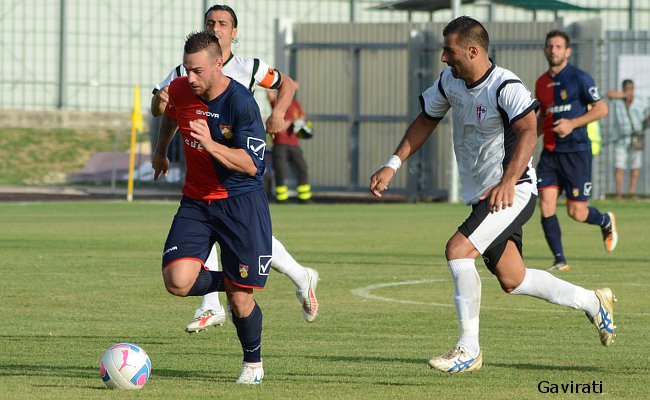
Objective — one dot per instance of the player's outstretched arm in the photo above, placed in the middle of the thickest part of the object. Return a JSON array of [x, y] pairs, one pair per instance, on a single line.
[[416, 134], [286, 91], [614, 94]]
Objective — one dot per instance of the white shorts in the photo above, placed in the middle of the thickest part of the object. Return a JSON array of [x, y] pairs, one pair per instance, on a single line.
[[625, 157]]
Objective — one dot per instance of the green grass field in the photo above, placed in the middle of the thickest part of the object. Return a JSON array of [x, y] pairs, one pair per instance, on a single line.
[[25, 163], [77, 277]]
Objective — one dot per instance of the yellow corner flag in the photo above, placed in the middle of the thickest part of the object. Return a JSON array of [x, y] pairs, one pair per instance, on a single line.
[[137, 125]]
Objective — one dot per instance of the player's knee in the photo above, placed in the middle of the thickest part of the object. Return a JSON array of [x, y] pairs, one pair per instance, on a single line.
[[454, 250], [177, 285], [576, 214], [508, 285], [176, 289], [450, 251], [242, 307]]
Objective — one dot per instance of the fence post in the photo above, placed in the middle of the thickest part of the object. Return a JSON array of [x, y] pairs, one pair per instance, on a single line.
[[62, 100]]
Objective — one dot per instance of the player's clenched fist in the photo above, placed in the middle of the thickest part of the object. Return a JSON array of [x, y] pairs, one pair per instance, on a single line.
[[160, 164], [379, 181], [201, 132]]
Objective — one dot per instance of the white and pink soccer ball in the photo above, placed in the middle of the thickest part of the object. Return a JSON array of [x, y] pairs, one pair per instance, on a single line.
[[125, 366]]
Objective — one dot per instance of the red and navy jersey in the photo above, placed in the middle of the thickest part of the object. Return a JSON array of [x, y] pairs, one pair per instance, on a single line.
[[287, 136], [566, 95], [235, 121]]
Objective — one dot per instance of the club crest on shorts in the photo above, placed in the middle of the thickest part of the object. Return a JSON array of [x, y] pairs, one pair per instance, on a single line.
[[265, 264], [243, 270], [575, 192], [481, 112]]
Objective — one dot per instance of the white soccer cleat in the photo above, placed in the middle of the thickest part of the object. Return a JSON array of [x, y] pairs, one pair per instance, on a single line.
[[457, 360], [307, 297], [251, 374], [604, 320], [206, 319]]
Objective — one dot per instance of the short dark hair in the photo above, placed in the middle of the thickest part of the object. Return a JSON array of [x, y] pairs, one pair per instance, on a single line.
[[199, 41], [627, 82], [558, 33], [222, 7], [468, 30]]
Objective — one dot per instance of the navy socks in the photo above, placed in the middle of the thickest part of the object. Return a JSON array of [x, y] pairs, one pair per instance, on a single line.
[[595, 217], [553, 236], [207, 282], [249, 331]]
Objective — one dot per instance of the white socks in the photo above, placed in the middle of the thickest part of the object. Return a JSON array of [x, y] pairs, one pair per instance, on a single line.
[[546, 286], [467, 297], [536, 283], [284, 263]]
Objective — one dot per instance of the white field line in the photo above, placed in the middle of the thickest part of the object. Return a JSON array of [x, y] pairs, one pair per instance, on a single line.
[[366, 293]]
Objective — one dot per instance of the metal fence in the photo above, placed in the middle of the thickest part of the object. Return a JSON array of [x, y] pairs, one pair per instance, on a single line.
[[360, 71], [87, 54], [361, 84]]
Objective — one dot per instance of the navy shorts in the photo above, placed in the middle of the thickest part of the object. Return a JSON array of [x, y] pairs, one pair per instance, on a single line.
[[242, 227], [569, 172]]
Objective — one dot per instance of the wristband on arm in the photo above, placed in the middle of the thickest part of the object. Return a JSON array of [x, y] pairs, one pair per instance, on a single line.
[[393, 162]]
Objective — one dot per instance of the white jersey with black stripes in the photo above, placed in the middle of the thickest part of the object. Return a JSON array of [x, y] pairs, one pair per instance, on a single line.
[[484, 112], [248, 71]]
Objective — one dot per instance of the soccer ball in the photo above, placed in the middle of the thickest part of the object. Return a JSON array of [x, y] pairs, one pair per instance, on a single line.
[[125, 366]]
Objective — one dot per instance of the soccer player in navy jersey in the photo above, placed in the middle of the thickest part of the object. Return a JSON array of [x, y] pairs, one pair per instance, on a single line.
[[223, 197], [495, 134], [221, 21], [569, 100]]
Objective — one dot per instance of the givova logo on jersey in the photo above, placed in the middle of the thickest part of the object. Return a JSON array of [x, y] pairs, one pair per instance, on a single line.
[[207, 114], [257, 146]]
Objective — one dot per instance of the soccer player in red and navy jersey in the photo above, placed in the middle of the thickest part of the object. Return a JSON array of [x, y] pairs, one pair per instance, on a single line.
[[221, 21], [569, 100], [223, 197]]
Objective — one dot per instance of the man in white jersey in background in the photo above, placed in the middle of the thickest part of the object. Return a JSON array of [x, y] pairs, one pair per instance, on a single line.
[[221, 20], [495, 133]]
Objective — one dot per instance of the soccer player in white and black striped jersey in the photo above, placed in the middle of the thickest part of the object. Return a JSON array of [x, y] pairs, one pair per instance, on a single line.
[[221, 20], [495, 133]]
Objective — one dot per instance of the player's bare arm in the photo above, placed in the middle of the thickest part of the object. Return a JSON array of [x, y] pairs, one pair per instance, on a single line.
[[615, 94], [286, 91], [503, 194], [237, 160], [416, 134], [159, 160], [563, 127], [159, 102]]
